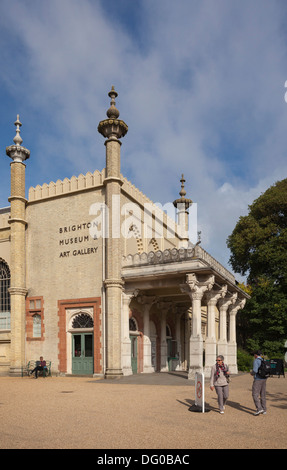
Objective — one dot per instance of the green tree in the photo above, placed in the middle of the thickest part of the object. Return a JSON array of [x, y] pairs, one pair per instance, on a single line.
[[258, 246]]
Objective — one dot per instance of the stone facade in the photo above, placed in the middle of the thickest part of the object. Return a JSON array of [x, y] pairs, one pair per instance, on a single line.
[[103, 282]]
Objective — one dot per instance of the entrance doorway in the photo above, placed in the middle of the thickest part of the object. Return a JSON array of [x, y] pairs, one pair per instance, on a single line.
[[134, 344], [153, 341], [82, 354], [134, 353]]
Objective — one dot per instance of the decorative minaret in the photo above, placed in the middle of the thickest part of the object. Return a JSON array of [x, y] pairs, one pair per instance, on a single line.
[[18, 223], [113, 129], [182, 206]]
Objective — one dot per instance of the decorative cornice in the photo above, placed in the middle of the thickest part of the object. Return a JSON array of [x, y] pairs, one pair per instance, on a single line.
[[128, 295], [238, 305], [81, 183], [196, 288], [17, 219], [228, 300], [113, 179], [174, 255], [20, 198], [18, 291], [112, 127], [114, 283], [17, 153], [213, 295]]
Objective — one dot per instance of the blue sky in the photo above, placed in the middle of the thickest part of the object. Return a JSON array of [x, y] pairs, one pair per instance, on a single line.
[[201, 86]]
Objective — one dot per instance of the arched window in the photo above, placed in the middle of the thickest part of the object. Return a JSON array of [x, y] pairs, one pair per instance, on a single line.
[[168, 332], [35, 322], [132, 325], [4, 296], [83, 320]]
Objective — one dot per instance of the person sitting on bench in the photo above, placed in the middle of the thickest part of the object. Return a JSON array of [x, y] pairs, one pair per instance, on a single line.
[[40, 366]]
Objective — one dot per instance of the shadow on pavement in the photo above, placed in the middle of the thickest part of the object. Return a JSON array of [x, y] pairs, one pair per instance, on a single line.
[[155, 378]]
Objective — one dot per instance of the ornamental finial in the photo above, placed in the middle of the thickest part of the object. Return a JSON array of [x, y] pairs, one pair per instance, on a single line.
[[113, 127], [113, 112], [17, 139], [17, 152], [182, 193]]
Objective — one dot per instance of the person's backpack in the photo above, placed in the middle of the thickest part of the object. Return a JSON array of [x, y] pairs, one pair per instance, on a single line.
[[264, 370]]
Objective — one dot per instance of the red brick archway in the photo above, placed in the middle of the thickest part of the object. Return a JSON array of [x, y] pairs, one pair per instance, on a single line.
[[95, 303]]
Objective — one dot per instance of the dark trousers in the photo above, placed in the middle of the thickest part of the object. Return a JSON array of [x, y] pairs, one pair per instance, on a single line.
[[36, 370]]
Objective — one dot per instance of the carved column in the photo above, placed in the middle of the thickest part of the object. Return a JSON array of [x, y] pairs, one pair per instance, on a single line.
[[187, 334], [232, 345], [224, 304], [196, 290], [210, 342], [178, 339], [18, 290], [126, 342], [147, 304], [164, 307], [113, 129]]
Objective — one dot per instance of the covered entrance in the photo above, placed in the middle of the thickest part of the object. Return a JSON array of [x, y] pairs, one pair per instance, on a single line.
[[82, 344], [192, 300], [80, 336]]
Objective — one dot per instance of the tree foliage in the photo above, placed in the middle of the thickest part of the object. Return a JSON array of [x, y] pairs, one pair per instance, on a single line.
[[258, 247]]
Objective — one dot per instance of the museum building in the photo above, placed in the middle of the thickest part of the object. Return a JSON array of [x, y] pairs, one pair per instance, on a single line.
[[99, 280]]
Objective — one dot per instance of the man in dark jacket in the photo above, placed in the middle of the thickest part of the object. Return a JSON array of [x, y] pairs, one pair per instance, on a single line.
[[40, 366]]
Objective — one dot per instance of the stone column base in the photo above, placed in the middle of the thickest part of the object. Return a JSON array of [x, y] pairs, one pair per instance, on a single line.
[[192, 371], [148, 369], [127, 371], [16, 372], [113, 373]]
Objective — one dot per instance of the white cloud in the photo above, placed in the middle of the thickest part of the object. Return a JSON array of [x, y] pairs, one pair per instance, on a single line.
[[202, 91]]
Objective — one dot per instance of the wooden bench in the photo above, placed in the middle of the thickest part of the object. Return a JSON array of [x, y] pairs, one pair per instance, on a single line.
[[46, 372]]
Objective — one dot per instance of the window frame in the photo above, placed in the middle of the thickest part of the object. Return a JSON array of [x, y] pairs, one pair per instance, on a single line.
[[5, 313], [34, 306]]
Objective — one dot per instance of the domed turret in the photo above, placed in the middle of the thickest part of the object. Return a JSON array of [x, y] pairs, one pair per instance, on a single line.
[[113, 127]]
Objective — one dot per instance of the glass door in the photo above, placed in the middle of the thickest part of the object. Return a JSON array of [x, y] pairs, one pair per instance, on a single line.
[[82, 354], [134, 353]]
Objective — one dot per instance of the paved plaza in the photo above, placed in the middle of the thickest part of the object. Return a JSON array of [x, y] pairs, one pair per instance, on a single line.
[[146, 411]]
